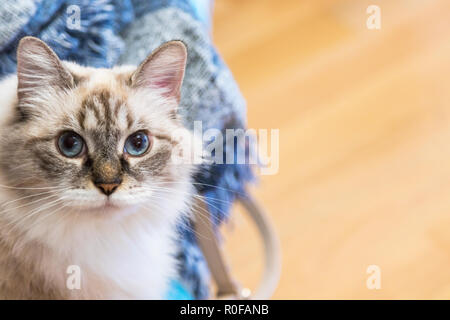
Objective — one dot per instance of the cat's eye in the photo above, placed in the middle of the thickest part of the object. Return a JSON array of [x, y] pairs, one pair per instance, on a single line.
[[70, 144], [137, 144]]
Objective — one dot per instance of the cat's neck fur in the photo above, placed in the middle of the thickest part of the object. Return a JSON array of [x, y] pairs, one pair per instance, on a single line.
[[128, 259]]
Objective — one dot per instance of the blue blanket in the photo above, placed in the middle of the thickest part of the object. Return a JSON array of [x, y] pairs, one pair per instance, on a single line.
[[102, 33]]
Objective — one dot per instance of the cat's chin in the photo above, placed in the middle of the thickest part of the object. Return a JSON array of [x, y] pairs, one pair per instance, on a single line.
[[108, 209], [118, 211]]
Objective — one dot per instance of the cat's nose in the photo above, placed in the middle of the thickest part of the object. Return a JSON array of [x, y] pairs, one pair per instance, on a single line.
[[108, 188]]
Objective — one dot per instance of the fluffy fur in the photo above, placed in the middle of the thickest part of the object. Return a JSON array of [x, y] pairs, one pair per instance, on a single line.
[[52, 215]]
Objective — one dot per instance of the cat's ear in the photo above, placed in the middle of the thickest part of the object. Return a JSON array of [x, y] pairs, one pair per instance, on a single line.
[[38, 67], [163, 69]]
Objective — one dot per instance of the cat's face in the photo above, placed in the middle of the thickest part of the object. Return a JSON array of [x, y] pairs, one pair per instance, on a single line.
[[98, 140]]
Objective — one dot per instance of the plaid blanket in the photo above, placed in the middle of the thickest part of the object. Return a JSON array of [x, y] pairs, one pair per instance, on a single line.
[[102, 33]]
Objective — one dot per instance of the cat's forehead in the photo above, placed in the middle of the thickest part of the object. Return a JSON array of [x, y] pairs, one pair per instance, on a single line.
[[103, 108], [88, 80], [102, 97], [103, 102]]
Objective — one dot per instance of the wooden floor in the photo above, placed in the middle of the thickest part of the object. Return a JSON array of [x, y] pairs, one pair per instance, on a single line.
[[364, 119]]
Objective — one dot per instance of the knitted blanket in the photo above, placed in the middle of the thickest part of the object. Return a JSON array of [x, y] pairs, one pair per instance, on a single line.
[[102, 33]]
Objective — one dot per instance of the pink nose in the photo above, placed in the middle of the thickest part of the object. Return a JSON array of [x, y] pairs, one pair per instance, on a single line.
[[107, 188]]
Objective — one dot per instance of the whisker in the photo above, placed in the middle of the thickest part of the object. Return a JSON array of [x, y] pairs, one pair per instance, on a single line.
[[193, 194], [45, 216], [28, 203], [203, 213], [185, 223], [203, 184], [29, 196], [28, 188], [35, 211], [203, 198]]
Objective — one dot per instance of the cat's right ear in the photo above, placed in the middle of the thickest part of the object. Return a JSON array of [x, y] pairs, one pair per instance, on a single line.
[[39, 68]]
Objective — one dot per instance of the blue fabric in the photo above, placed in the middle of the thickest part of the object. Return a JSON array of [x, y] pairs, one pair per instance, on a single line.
[[177, 292], [97, 43], [108, 34]]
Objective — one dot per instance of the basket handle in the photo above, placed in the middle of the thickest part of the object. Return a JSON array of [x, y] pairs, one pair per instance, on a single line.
[[228, 287]]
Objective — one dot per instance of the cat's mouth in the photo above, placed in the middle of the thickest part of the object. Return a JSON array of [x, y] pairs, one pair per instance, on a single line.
[[111, 207], [101, 205], [92, 203]]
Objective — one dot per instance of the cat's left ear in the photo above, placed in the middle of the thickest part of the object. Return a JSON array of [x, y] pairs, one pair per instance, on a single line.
[[163, 69]]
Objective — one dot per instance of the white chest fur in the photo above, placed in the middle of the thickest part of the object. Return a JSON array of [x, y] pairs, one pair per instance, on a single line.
[[130, 260]]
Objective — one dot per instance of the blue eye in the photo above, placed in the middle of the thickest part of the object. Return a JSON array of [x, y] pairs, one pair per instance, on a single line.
[[70, 144], [137, 144]]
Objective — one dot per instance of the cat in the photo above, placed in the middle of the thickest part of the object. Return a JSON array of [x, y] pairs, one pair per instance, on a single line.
[[92, 177]]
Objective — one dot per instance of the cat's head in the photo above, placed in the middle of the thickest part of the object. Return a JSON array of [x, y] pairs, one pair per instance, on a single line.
[[97, 140]]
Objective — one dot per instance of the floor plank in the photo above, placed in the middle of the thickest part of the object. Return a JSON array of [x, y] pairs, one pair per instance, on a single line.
[[364, 142]]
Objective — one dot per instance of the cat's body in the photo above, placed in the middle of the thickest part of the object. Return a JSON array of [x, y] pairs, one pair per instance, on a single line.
[[108, 212]]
